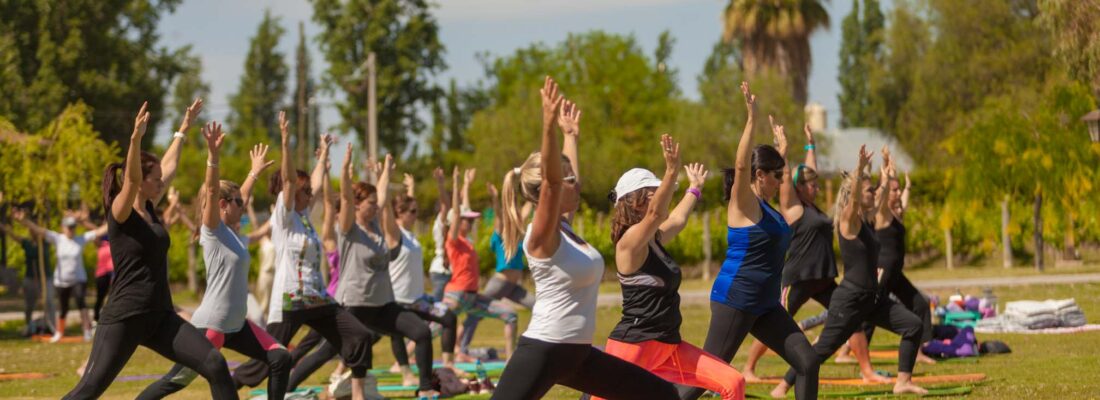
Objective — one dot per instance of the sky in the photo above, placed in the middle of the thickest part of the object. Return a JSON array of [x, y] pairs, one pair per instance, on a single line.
[[219, 31]]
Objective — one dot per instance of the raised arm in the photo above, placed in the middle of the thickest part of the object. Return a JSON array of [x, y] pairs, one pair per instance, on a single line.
[[789, 205], [811, 147], [467, 180], [544, 237], [452, 233], [170, 162], [569, 120], [697, 176], [258, 155], [883, 216], [410, 185], [289, 174], [389, 221], [494, 195], [444, 195], [11, 233], [123, 203], [316, 178], [84, 217], [905, 194], [20, 216], [212, 132], [347, 199], [633, 246], [849, 223], [328, 219], [743, 208]]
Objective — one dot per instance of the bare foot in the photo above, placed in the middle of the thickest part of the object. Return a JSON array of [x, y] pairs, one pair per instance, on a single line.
[[844, 359], [923, 359], [780, 391], [395, 368], [458, 371], [874, 378], [409, 379], [908, 387], [750, 377], [462, 357]]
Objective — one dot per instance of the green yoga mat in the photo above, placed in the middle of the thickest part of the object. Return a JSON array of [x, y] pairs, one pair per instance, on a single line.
[[301, 390], [873, 393], [490, 367]]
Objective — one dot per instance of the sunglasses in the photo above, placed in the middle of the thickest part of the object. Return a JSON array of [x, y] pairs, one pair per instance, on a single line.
[[236, 200], [570, 179], [778, 174], [412, 211]]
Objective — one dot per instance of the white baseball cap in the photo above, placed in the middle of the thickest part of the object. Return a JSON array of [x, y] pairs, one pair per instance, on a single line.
[[634, 179]]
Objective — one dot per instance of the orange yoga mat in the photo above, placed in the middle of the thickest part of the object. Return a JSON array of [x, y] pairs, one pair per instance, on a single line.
[[22, 376], [916, 379], [64, 339]]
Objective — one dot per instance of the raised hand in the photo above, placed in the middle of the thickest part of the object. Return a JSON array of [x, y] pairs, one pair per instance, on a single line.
[[284, 127], [551, 101], [18, 214], [908, 182], [190, 114], [493, 193], [140, 122], [864, 158], [671, 151], [569, 118], [779, 133], [348, 163], [408, 180], [697, 174], [471, 173], [809, 133], [437, 173], [750, 99], [173, 196], [212, 132], [258, 155]]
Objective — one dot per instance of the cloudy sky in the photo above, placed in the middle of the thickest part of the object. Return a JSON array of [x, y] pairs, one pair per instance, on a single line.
[[219, 30]]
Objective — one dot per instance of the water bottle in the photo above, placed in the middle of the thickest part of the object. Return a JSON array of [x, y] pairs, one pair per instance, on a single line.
[[480, 369]]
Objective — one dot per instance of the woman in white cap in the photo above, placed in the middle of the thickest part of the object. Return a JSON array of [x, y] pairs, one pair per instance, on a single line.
[[649, 332], [69, 278]]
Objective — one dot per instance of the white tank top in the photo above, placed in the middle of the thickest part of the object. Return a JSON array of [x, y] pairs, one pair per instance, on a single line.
[[566, 287]]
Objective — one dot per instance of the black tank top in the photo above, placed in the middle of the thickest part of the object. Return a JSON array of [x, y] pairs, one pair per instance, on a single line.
[[140, 253], [811, 253], [860, 258], [892, 240], [651, 301]]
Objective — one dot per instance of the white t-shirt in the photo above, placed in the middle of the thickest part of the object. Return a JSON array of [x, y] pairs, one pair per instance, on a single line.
[[298, 284], [437, 261], [70, 258], [566, 287], [407, 270]]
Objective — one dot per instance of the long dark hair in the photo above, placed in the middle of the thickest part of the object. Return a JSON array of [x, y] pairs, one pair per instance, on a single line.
[[629, 211], [275, 184], [110, 176], [764, 158]]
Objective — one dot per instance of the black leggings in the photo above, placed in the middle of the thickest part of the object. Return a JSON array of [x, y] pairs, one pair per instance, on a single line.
[[102, 286], [447, 322], [537, 365], [163, 332], [913, 300], [244, 342], [389, 319], [333, 323], [775, 328], [850, 308], [77, 292], [798, 293]]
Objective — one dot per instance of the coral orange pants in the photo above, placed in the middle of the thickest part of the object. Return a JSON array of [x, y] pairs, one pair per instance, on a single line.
[[683, 364]]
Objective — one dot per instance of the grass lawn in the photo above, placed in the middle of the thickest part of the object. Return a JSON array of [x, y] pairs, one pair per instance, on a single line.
[[1040, 367]]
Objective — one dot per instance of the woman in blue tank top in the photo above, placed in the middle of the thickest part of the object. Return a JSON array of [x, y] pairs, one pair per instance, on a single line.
[[745, 296]]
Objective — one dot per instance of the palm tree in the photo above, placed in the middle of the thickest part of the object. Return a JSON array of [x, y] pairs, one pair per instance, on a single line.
[[776, 34]]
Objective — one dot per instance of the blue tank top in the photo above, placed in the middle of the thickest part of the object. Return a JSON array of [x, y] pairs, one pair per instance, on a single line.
[[752, 272], [497, 244]]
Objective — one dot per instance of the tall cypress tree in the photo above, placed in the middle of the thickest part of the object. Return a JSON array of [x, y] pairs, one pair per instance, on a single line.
[[263, 88], [860, 47]]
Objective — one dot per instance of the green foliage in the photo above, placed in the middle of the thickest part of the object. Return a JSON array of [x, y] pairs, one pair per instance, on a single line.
[[59, 166], [404, 36], [1075, 27], [263, 87], [860, 48], [102, 53]]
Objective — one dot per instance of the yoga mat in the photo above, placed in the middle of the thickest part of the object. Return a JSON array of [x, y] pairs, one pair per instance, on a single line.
[[916, 379], [64, 339], [301, 390], [489, 366], [23, 376], [396, 388], [876, 393], [894, 361]]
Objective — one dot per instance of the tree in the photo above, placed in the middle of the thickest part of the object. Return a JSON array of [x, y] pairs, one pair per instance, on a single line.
[[1075, 26], [403, 35], [860, 48], [262, 90], [105, 54], [305, 90], [776, 35]]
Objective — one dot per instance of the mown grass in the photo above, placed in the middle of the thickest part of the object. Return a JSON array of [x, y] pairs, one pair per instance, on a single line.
[[1040, 367]]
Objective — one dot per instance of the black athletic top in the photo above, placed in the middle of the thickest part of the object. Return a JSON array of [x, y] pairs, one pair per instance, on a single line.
[[811, 253], [30, 258], [892, 256], [140, 253], [651, 301], [860, 258]]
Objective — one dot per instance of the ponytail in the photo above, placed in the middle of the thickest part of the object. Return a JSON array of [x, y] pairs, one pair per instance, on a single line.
[[110, 184], [511, 220]]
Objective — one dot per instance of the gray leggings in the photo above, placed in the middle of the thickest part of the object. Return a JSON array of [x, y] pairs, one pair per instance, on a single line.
[[497, 289]]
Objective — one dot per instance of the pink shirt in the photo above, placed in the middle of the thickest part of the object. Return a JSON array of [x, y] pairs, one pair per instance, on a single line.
[[333, 272], [104, 263]]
